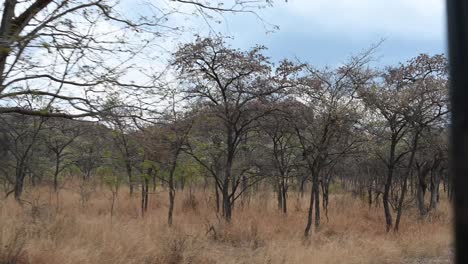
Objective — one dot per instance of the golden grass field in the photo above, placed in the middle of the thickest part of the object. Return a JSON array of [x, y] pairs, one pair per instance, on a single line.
[[42, 231]]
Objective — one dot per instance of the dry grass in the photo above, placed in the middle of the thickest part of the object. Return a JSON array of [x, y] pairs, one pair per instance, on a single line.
[[42, 231]]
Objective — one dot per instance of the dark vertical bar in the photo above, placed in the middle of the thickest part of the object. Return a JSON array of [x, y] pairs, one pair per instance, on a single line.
[[457, 18]]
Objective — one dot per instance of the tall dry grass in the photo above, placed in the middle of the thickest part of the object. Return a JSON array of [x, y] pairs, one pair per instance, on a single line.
[[50, 229]]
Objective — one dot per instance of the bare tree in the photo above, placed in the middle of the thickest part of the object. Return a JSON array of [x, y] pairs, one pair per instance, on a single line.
[[23, 132], [430, 165], [163, 145], [283, 148], [59, 135], [89, 150], [119, 119], [327, 120], [407, 100], [232, 84], [426, 79], [73, 53]]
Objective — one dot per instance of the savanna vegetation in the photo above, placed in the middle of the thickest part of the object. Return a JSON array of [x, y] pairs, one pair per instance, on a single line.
[[222, 156]]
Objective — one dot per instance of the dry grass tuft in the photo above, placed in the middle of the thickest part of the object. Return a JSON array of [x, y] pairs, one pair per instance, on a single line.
[[12, 246], [190, 202]]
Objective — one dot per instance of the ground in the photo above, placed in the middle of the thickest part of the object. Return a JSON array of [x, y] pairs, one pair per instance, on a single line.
[[76, 226]]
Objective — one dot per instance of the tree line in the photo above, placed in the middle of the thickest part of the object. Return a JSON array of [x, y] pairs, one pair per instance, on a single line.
[[234, 121]]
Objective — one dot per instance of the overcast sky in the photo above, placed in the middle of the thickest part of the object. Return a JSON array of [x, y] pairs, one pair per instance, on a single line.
[[326, 32]]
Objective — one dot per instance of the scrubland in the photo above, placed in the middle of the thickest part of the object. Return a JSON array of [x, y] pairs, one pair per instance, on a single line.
[[73, 227]]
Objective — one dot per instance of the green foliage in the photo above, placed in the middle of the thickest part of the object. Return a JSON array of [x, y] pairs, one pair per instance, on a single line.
[[335, 188], [107, 154], [189, 170], [111, 179], [140, 151], [72, 169], [147, 164]]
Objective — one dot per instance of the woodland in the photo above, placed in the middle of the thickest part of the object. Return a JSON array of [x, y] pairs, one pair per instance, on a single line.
[[221, 155]]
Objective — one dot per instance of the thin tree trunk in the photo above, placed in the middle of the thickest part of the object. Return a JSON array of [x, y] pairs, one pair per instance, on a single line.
[[309, 214], [385, 200], [154, 180], [217, 197], [56, 172], [143, 198], [400, 204], [171, 195], [19, 182], [421, 188], [302, 186], [227, 210], [405, 180], [227, 203], [284, 192], [245, 194], [317, 204], [388, 185], [171, 205], [279, 195], [112, 205], [146, 182], [325, 185], [420, 200], [435, 182], [129, 175], [369, 188]]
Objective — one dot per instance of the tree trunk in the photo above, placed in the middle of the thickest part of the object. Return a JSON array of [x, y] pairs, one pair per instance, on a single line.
[[205, 183], [146, 194], [130, 178], [171, 195], [423, 170], [284, 192], [114, 195], [385, 200], [182, 183], [309, 214], [232, 194], [5, 31], [400, 204], [317, 203], [142, 200], [435, 182], [227, 209], [388, 185], [369, 188], [154, 180], [420, 193], [171, 205], [217, 197], [56, 172], [279, 195], [414, 147], [19, 181], [325, 187], [227, 202], [19, 178], [302, 186], [377, 199], [245, 194]]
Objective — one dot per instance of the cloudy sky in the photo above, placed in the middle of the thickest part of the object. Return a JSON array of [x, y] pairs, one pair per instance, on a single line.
[[327, 32]]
